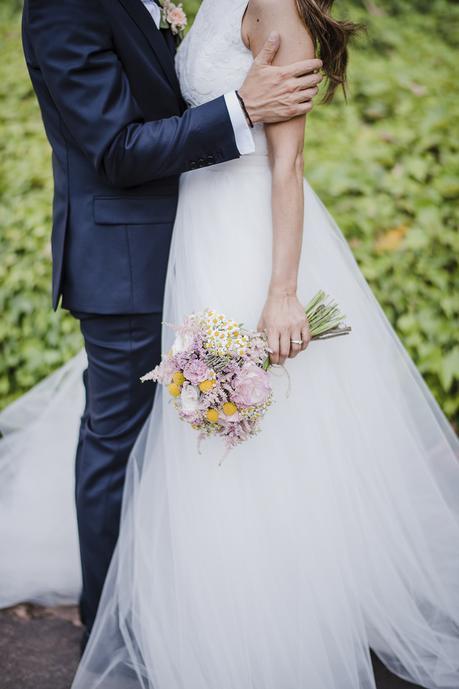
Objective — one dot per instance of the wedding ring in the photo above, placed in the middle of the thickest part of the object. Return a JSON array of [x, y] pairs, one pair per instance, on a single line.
[[297, 342]]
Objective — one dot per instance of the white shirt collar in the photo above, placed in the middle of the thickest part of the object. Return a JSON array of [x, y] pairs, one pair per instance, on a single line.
[[154, 10]]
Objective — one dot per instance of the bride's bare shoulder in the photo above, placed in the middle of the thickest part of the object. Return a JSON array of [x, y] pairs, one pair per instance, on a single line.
[[264, 16], [268, 9]]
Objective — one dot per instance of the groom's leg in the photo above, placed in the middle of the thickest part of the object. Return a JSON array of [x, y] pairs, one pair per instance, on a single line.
[[120, 349], [83, 421]]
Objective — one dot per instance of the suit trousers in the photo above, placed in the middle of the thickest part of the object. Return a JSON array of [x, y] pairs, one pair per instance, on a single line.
[[120, 349]]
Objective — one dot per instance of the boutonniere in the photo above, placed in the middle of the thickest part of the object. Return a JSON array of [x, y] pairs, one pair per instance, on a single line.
[[173, 17]]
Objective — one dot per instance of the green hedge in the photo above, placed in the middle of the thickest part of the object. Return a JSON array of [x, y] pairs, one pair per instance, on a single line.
[[386, 165]]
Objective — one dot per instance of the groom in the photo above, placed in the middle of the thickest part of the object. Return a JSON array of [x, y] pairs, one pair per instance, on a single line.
[[121, 135]]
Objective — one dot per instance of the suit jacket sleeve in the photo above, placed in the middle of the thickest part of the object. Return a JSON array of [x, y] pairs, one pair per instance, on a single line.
[[73, 49]]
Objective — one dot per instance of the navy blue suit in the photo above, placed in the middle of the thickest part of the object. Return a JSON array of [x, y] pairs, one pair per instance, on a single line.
[[120, 135]]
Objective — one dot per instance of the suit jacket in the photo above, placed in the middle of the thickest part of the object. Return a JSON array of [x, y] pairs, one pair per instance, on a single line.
[[121, 135]]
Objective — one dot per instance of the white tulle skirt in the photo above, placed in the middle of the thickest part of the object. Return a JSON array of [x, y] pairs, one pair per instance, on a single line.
[[39, 557], [335, 530]]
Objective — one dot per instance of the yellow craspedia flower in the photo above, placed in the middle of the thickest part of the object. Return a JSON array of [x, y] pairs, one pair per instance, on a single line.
[[206, 385], [229, 408], [212, 415], [178, 378], [174, 389]]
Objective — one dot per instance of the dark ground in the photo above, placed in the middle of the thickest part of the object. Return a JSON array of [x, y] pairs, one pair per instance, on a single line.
[[39, 649]]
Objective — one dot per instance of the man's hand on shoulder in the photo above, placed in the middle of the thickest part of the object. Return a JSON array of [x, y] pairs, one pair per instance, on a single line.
[[279, 93]]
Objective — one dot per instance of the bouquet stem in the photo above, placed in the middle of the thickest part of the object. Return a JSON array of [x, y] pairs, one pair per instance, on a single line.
[[325, 318]]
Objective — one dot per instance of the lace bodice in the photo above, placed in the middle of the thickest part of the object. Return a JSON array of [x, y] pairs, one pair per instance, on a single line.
[[213, 59]]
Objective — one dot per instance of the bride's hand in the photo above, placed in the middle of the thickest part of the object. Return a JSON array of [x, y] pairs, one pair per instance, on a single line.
[[285, 323]]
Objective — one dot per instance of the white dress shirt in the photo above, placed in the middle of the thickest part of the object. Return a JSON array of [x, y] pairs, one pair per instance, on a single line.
[[154, 10], [242, 133]]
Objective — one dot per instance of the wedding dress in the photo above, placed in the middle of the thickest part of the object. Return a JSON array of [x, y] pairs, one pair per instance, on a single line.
[[336, 529]]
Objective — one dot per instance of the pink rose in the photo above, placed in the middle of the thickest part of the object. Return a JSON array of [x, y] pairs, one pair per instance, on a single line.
[[196, 371], [251, 386], [177, 17]]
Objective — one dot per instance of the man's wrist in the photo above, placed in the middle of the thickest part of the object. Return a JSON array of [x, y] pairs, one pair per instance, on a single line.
[[241, 128], [248, 110], [244, 109]]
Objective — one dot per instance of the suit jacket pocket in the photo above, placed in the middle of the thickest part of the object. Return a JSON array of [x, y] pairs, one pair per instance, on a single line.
[[146, 210]]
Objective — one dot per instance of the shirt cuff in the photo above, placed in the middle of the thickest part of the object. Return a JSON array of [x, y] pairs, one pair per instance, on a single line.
[[242, 133]]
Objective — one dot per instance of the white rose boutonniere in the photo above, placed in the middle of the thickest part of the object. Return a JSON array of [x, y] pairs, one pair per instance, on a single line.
[[173, 17]]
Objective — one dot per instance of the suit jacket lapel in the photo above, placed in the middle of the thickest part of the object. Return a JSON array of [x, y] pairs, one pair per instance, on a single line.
[[141, 16]]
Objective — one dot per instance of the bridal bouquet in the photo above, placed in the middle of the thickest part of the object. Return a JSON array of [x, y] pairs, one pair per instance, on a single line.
[[217, 370]]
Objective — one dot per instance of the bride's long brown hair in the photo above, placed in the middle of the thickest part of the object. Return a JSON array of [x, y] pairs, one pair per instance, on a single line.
[[331, 38]]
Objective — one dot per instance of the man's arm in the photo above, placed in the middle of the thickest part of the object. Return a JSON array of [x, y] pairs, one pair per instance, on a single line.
[[72, 46]]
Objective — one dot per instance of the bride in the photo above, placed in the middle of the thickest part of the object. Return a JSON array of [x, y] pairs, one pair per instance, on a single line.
[[337, 528]]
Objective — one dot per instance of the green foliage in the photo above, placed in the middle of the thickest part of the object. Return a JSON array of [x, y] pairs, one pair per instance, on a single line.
[[33, 339], [386, 165]]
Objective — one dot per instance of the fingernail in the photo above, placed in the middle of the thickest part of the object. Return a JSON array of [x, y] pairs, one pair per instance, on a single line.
[[273, 36]]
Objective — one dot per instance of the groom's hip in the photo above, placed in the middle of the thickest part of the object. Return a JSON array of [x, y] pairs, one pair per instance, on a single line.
[[111, 248], [116, 269]]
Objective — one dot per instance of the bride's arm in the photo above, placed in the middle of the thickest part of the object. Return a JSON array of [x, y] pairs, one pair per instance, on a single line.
[[283, 316]]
